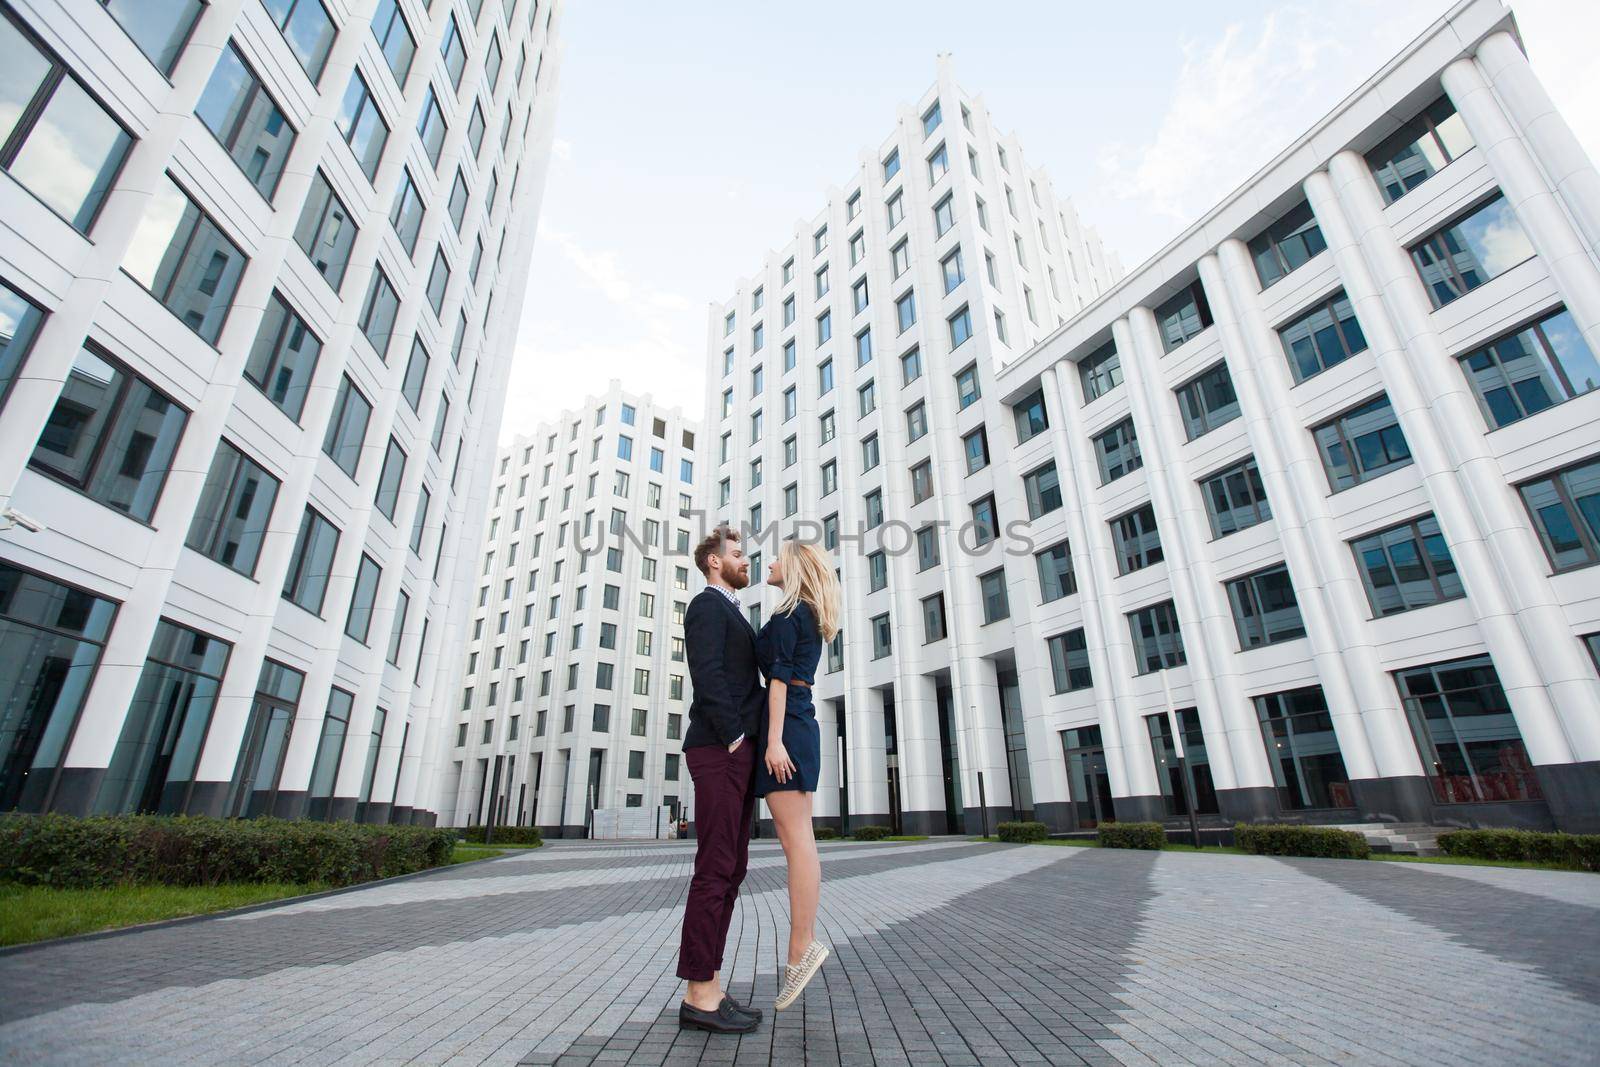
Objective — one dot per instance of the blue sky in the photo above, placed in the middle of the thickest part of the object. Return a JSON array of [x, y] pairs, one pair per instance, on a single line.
[[691, 138]]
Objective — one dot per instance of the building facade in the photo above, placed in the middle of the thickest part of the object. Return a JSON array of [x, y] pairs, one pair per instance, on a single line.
[[263, 265], [1329, 479], [852, 398], [575, 682]]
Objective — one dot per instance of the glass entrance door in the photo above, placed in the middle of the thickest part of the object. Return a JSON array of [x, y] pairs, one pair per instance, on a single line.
[[1087, 778]]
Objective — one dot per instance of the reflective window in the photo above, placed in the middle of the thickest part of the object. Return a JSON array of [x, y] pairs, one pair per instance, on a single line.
[[944, 215], [153, 766], [1418, 150], [1525, 372], [1235, 498], [1183, 316], [378, 312], [185, 260], [960, 327], [1362, 444], [416, 374], [1100, 371], [1482, 245], [1208, 401], [19, 321], [1565, 507], [325, 232], [1136, 540], [438, 281], [330, 750], [362, 125], [406, 215], [159, 27], [247, 121], [284, 357], [1471, 748], [308, 29], [1056, 576], [51, 637], [985, 520], [1157, 640], [1117, 451], [431, 127], [1069, 661], [311, 565], [111, 435], [1407, 566], [1324, 337], [1303, 750], [419, 523], [492, 63], [55, 138], [359, 618], [1286, 244], [347, 428], [475, 128], [394, 39], [455, 54], [975, 446], [234, 510], [992, 594], [1265, 610], [1043, 488], [394, 472], [458, 200]]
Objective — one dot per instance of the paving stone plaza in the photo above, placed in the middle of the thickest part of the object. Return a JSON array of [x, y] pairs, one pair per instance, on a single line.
[[945, 952]]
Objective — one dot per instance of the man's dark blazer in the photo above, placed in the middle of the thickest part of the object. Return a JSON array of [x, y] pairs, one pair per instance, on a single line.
[[729, 696]]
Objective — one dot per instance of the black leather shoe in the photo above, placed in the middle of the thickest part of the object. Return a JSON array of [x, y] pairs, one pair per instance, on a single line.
[[727, 1019], [744, 1009]]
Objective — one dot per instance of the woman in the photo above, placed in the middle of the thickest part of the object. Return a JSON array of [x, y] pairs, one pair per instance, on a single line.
[[788, 648]]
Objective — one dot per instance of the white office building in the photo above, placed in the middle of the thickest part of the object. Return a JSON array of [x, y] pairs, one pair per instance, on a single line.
[[842, 378], [575, 686], [263, 264], [1327, 479]]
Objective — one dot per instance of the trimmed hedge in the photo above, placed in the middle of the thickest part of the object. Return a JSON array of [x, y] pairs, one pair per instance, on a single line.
[[106, 850], [1022, 832], [825, 833], [1579, 851], [1147, 835], [504, 835], [1288, 840], [870, 833]]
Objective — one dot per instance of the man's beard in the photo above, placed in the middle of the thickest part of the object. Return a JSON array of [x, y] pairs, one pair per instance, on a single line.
[[738, 579]]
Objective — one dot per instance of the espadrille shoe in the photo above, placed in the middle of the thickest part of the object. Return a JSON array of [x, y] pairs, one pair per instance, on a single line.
[[797, 975]]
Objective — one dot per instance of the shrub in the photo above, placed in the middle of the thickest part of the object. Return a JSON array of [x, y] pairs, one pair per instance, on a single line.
[[1149, 835], [73, 853], [824, 833], [870, 833], [504, 835], [1022, 832], [1577, 851], [1288, 840]]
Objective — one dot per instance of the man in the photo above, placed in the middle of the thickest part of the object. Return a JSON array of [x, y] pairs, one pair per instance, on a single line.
[[720, 750]]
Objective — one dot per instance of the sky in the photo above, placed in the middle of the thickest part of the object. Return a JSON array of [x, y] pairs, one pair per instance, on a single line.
[[691, 138]]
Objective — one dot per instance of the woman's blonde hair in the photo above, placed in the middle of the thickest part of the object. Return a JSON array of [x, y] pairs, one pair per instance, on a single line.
[[808, 576]]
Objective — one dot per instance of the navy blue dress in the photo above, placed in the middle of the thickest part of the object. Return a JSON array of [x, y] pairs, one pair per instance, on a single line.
[[788, 648]]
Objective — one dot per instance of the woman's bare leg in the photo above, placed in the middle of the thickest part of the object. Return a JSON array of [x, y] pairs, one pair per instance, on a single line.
[[791, 813]]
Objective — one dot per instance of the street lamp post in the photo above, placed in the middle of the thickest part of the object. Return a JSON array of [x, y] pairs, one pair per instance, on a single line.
[[1183, 770]]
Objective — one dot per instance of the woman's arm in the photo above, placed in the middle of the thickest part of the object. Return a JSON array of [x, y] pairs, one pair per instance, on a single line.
[[777, 756]]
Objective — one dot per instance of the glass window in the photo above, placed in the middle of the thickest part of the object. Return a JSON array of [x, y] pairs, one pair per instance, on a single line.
[[244, 117], [394, 39], [1117, 451], [153, 766], [882, 636], [347, 428], [931, 119], [1525, 372], [927, 548], [1286, 244], [475, 129], [330, 750], [896, 208], [1362, 444], [283, 358], [306, 27], [234, 510], [160, 29], [1565, 507], [975, 446], [967, 391], [55, 138], [493, 62], [916, 421], [406, 216], [438, 282], [938, 165], [960, 328], [1137, 541], [1100, 371], [921, 482], [111, 435], [378, 312], [458, 200], [992, 592], [394, 471], [1029, 416], [19, 321], [311, 565], [1208, 401], [933, 620], [891, 164], [1303, 749], [1069, 661], [873, 508], [877, 572], [1466, 733], [1324, 337], [1235, 498], [867, 396], [1056, 577], [1418, 150], [985, 521], [944, 215], [362, 125], [911, 366], [1265, 610], [1407, 566], [185, 260], [455, 54], [325, 232], [1481, 245], [358, 620], [1183, 316], [1157, 640], [1043, 488], [431, 127]]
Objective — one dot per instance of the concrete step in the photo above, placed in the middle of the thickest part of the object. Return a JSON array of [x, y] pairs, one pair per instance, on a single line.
[[1406, 839]]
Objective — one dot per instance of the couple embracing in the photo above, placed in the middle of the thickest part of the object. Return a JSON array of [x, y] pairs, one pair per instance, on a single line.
[[746, 740]]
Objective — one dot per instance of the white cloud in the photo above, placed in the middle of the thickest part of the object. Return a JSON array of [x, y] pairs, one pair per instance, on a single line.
[[561, 149]]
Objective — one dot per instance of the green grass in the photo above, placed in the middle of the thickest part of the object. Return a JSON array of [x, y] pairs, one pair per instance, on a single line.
[[906, 837], [467, 853], [34, 913]]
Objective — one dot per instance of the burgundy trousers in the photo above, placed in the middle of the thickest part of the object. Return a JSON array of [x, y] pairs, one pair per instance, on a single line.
[[724, 814]]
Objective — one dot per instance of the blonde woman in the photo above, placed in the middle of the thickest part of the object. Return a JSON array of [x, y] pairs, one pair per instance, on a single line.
[[788, 648]]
